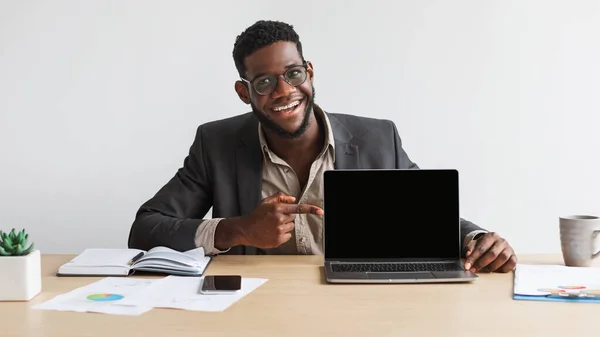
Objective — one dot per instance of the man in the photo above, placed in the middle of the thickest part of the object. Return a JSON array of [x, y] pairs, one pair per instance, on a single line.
[[261, 172]]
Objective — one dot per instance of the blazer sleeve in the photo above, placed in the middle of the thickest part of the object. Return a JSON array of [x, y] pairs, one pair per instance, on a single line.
[[467, 228], [172, 216], [402, 159]]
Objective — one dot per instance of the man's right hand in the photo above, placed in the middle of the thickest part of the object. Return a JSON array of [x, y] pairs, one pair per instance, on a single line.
[[270, 224]]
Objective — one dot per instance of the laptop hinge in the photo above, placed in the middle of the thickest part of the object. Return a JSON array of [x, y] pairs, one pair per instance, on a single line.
[[446, 260]]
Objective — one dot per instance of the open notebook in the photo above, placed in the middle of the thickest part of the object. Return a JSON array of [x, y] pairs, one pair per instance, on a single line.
[[124, 262]]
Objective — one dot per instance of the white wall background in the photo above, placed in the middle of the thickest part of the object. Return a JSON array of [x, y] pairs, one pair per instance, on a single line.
[[100, 100]]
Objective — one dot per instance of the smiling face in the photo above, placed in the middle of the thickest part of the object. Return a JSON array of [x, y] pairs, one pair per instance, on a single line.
[[282, 107]]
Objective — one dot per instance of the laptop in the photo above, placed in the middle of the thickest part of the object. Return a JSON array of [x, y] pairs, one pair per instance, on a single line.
[[392, 226]]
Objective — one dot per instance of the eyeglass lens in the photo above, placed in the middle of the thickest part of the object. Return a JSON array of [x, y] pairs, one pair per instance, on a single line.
[[294, 76]]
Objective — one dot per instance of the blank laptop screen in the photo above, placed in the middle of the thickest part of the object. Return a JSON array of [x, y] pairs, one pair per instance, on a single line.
[[391, 214]]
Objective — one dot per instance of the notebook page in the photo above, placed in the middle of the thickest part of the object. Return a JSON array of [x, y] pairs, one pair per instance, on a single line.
[[105, 257], [194, 257]]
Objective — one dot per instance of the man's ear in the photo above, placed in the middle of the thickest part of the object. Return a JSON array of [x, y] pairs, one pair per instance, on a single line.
[[310, 70], [242, 91]]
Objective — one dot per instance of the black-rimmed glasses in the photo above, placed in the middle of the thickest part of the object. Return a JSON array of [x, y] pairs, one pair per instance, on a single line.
[[266, 84]]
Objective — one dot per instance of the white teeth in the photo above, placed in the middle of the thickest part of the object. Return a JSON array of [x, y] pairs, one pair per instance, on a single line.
[[285, 107]]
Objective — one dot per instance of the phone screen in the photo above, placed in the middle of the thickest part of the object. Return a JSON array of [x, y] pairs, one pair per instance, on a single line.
[[221, 283]]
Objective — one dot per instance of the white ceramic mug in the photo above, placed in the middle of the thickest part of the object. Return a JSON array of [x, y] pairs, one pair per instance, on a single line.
[[579, 236]]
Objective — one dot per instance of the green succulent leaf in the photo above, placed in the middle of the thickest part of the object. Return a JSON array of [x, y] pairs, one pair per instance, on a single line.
[[12, 235], [29, 249], [8, 244], [3, 252]]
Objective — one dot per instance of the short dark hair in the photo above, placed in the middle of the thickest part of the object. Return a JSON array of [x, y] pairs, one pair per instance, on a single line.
[[259, 35]]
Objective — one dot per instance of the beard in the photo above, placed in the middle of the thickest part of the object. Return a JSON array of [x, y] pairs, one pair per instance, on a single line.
[[267, 122]]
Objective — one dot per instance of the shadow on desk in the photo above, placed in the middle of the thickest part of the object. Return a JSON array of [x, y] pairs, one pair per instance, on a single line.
[[323, 279]]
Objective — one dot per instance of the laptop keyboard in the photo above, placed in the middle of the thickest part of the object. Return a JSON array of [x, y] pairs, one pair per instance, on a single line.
[[395, 267]]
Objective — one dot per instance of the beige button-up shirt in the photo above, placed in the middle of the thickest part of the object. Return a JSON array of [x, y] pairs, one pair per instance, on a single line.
[[278, 176]]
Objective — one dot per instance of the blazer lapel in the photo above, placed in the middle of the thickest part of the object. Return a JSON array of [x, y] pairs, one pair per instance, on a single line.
[[248, 159], [248, 166], [346, 152]]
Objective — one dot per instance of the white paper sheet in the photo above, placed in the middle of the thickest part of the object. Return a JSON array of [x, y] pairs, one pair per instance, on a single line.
[[104, 296], [181, 292], [546, 279]]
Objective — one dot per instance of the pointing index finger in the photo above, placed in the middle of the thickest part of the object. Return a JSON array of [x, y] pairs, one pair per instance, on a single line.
[[279, 197], [302, 209]]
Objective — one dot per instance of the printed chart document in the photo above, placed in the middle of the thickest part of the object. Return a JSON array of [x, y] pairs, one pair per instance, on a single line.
[[556, 283], [180, 292], [104, 296]]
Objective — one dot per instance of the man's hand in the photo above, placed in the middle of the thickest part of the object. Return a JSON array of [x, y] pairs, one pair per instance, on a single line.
[[270, 224], [490, 251]]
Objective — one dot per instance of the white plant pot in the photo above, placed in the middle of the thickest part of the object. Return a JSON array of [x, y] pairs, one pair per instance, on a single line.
[[20, 277]]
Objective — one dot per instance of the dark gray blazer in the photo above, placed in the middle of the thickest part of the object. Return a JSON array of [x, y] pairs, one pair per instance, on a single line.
[[223, 171]]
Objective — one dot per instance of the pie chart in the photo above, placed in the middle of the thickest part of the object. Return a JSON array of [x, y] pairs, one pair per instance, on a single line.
[[104, 297]]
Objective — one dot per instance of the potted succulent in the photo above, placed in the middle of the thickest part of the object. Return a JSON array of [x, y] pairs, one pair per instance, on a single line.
[[20, 267]]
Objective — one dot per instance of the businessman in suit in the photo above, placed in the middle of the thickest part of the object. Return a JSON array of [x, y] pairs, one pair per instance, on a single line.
[[261, 170]]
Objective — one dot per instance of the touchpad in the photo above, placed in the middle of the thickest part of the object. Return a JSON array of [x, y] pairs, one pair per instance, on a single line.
[[401, 276]]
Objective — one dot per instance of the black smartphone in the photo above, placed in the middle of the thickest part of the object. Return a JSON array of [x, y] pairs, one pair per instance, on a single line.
[[221, 284]]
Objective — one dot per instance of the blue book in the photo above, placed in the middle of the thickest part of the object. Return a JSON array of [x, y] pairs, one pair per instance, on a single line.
[[556, 283], [554, 298]]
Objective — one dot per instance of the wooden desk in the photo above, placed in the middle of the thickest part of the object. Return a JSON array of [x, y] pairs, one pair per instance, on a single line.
[[296, 302]]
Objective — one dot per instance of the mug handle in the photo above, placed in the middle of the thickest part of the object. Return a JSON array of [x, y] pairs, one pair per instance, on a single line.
[[594, 235]]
